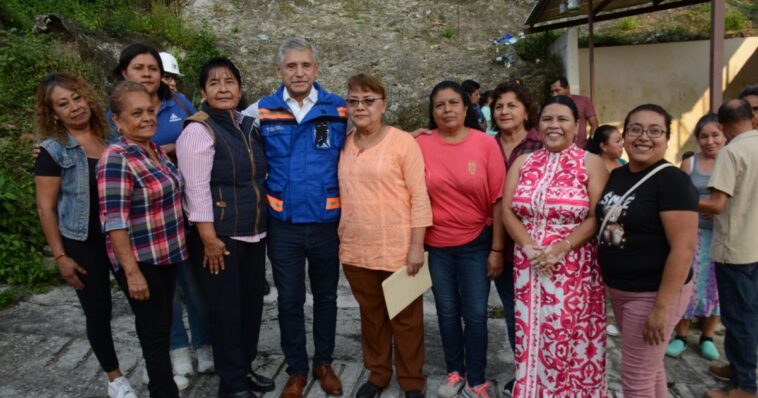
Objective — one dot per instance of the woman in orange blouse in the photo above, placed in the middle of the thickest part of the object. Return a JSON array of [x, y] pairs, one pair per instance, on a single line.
[[385, 212]]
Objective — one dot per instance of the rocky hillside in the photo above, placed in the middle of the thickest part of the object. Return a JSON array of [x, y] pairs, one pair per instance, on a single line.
[[410, 45]]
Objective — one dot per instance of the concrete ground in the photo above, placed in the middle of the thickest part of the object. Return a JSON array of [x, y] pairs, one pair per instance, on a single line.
[[44, 352]]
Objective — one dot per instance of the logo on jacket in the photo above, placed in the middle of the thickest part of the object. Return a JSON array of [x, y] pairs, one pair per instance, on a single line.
[[322, 135], [174, 118]]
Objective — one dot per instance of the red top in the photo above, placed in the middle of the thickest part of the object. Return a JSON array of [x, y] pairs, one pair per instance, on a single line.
[[586, 111], [463, 180]]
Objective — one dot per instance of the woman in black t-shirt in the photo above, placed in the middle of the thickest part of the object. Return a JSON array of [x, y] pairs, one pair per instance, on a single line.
[[646, 247]]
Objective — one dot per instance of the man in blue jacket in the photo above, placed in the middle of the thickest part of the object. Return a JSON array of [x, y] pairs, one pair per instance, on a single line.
[[303, 128]]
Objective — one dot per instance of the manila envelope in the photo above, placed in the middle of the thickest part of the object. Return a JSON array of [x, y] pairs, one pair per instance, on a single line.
[[400, 289]]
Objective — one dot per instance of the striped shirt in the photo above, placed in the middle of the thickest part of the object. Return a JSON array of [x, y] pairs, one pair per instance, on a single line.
[[145, 198]]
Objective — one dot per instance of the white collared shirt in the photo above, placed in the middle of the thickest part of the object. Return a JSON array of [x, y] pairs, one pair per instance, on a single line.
[[300, 111], [297, 111]]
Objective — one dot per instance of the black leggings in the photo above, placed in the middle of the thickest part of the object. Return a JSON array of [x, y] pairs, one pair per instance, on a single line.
[[95, 298], [152, 319]]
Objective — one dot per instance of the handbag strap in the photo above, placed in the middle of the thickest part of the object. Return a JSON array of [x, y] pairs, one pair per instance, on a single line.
[[629, 192]]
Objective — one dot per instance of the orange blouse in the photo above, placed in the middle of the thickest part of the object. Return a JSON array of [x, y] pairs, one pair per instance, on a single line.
[[383, 195]]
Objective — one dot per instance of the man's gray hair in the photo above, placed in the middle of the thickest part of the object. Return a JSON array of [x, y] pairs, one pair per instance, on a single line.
[[295, 43]]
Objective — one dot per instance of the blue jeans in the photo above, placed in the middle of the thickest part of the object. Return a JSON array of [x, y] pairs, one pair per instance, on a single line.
[[188, 285], [461, 289], [505, 289], [289, 246], [738, 298]]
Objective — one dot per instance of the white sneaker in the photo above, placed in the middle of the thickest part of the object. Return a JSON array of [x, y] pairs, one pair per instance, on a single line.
[[120, 388], [205, 359], [181, 361], [483, 390], [451, 386], [612, 330], [181, 382]]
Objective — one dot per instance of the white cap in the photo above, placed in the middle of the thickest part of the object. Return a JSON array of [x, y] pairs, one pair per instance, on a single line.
[[169, 63]]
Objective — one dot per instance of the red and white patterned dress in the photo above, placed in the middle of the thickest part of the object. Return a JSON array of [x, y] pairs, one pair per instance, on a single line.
[[560, 319]]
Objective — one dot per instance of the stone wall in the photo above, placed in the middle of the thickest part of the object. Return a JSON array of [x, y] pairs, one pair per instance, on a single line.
[[410, 45]]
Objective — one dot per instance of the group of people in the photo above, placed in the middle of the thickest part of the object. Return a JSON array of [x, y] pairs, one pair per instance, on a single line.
[[313, 180]]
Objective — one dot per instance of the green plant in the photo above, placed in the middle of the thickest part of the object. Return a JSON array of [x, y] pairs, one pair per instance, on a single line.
[[448, 32], [627, 23], [536, 45], [606, 39], [21, 262], [734, 20], [8, 297]]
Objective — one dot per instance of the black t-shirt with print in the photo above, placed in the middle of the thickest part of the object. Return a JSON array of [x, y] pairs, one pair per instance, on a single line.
[[633, 248]]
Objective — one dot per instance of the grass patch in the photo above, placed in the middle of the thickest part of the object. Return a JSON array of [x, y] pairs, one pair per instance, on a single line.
[[8, 297], [448, 32]]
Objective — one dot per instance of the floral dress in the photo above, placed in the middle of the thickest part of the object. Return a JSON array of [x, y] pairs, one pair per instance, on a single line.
[[560, 319]]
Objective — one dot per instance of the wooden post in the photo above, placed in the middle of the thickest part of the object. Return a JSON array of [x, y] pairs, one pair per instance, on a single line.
[[717, 54]]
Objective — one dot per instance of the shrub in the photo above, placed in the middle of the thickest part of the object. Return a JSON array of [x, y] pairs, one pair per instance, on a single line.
[[734, 20], [536, 45], [627, 23]]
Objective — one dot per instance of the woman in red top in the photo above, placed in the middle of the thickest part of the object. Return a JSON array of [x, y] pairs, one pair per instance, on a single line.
[[465, 173]]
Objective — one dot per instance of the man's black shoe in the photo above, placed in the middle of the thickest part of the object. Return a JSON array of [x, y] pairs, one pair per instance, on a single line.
[[415, 394], [239, 394], [259, 383], [368, 390]]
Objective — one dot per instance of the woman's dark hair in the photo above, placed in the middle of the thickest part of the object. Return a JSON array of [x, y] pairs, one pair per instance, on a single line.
[[601, 136], [562, 100], [704, 121], [485, 97], [218, 62], [471, 121], [126, 57], [651, 108], [515, 86]]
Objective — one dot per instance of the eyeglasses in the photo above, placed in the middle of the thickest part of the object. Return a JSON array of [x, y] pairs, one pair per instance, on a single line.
[[367, 102], [652, 131]]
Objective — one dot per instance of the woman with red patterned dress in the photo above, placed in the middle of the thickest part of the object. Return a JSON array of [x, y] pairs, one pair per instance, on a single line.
[[548, 210]]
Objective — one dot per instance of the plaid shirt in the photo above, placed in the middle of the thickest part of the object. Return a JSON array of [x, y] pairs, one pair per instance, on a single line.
[[144, 198], [528, 145]]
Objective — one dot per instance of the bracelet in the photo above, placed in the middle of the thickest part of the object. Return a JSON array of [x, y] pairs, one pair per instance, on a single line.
[[55, 258], [569, 243], [496, 251]]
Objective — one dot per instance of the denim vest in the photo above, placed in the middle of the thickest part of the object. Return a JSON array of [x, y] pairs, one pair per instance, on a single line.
[[74, 195], [237, 178]]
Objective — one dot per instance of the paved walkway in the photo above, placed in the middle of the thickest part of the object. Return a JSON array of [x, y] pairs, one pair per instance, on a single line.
[[44, 352]]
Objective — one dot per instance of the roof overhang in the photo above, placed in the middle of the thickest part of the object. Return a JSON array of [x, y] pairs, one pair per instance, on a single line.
[[553, 14]]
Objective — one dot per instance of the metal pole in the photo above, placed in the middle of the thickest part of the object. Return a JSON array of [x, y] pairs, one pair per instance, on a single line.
[[717, 54]]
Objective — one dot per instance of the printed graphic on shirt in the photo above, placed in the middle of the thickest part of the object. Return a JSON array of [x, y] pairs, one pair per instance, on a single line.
[[613, 233], [472, 167], [174, 118]]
